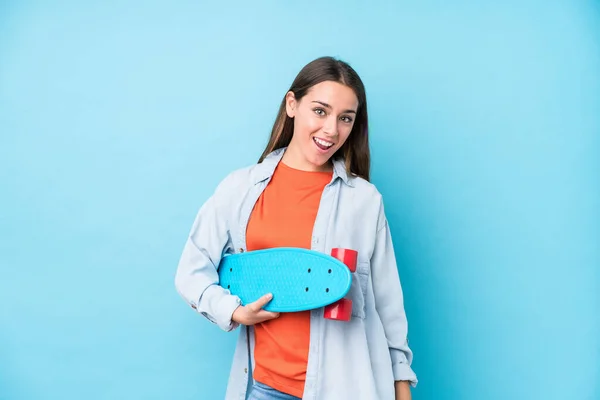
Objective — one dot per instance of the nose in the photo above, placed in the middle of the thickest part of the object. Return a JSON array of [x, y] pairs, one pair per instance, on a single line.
[[330, 126]]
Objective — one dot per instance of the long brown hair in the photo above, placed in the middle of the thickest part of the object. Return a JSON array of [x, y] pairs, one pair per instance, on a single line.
[[355, 150]]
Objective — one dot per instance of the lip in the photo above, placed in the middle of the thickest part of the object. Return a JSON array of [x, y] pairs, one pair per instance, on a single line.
[[325, 140]]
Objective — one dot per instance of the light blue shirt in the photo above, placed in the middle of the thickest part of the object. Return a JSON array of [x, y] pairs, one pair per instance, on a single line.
[[358, 359]]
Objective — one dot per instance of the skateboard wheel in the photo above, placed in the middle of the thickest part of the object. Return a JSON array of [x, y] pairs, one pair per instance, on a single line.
[[341, 310], [347, 256]]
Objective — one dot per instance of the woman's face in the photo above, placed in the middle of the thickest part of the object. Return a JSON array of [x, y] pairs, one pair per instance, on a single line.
[[323, 120]]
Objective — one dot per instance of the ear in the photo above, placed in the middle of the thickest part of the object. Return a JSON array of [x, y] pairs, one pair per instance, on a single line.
[[290, 104]]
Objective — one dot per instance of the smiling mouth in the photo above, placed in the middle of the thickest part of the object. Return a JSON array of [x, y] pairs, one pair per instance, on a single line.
[[322, 144]]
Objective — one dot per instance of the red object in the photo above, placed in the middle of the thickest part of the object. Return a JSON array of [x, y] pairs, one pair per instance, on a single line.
[[346, 256], [341, 310]]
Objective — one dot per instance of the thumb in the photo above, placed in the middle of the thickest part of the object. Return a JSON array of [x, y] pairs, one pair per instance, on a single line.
[[260, 303]]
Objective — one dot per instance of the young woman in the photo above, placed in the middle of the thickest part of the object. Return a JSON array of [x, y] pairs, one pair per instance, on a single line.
[[309, 189]]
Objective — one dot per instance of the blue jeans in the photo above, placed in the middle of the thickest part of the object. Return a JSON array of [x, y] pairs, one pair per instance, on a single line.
[[260, 391]]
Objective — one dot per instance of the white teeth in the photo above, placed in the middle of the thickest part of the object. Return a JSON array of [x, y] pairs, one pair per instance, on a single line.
[[323, 143]]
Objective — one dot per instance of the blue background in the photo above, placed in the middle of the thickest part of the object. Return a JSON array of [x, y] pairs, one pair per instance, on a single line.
[[117, 121]]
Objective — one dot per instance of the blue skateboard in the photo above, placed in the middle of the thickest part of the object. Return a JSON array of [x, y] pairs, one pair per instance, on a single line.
[[299, 279]]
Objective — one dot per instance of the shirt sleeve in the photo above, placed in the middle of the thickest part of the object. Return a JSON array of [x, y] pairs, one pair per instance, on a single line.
[[389, 302], [197, 279]]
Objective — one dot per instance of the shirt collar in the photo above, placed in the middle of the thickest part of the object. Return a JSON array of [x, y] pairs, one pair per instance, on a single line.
[[266, 168]]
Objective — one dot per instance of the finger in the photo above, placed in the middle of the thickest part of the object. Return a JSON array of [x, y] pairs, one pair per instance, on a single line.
[[265, 315], [260, 303]]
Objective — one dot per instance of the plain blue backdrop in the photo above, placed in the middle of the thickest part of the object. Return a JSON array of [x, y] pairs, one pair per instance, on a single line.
[[117, 121]]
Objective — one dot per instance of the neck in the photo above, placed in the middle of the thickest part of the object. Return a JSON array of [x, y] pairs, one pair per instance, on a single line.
[[294, 159]]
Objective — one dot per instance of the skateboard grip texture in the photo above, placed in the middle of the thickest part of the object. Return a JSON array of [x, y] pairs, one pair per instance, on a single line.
[[299, 279]]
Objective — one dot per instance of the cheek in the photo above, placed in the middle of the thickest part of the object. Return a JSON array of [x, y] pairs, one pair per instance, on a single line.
[[307, 125], [344, 134]]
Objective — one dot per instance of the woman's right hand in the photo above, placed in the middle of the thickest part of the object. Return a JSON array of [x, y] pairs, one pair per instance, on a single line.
[[253, 313]]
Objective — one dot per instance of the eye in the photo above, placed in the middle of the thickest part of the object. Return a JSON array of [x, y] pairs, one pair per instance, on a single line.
[[319, 111], [347, 120]]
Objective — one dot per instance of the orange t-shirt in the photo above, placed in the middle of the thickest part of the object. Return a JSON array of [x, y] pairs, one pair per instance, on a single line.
[[284, 216]]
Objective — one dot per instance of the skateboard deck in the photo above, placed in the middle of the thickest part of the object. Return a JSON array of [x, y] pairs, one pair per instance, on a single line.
[[299, 279]]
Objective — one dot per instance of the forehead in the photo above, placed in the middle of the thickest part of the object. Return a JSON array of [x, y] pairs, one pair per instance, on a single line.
[[337, 95]]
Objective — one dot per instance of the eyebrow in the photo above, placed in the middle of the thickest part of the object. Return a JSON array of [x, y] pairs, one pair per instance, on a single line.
[[328, 106]]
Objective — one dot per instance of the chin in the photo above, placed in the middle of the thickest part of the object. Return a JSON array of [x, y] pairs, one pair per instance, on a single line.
[[319, 160]]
